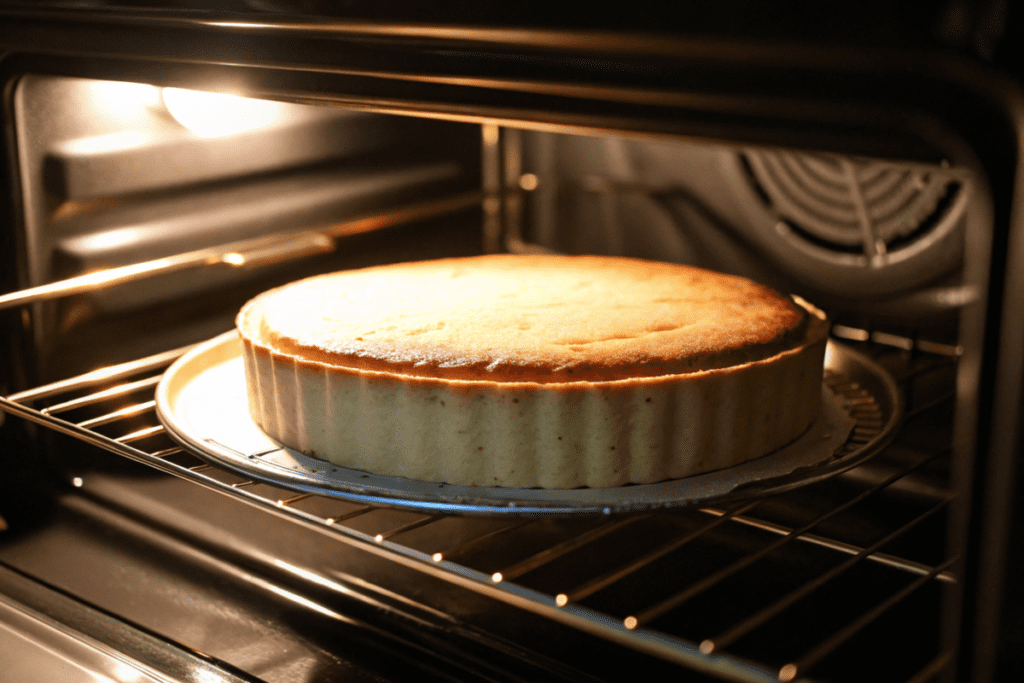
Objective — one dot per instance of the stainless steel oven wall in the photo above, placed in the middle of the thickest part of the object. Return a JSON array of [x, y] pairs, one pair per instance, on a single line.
[[879, 238], [119, 173]]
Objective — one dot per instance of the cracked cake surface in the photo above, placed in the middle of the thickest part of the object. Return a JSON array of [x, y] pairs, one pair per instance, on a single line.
[[552, 371]]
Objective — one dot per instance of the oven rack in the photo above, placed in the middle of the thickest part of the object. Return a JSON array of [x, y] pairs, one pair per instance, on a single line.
[[129, 427]]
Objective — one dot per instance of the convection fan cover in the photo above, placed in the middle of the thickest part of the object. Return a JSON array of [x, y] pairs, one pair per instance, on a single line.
[[856, 226]]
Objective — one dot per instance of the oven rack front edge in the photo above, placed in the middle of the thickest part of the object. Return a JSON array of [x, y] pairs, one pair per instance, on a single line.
[[709, 655]]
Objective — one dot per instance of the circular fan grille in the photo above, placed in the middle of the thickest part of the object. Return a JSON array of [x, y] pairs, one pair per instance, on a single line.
[[850, 207]]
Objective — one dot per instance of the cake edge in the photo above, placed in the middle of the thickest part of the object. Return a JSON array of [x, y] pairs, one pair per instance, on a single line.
[[526, 434]]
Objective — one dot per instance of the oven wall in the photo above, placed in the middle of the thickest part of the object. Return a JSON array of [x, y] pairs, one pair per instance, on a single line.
[[110, 178], [876, 102]]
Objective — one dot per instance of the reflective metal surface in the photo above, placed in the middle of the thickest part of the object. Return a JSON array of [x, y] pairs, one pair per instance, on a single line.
[[48, 636]]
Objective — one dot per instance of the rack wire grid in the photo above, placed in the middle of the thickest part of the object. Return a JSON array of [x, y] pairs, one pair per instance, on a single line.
[[717, 589]]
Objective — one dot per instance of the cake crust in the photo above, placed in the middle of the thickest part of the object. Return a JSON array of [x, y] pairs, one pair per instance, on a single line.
[[546, 319]]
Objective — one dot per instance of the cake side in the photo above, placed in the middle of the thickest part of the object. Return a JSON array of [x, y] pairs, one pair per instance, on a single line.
[[525, 434]]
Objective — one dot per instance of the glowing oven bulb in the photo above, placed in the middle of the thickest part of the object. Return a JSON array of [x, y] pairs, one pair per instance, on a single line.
[[209, 114]]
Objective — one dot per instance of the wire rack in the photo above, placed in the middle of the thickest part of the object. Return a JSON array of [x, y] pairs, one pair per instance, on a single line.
[[716, 589]]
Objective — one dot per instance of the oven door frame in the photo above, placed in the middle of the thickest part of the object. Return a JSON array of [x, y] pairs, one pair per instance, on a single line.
[[914, 104]]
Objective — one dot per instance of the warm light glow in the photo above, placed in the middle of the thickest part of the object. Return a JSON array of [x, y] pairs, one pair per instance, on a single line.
[[237, 24], [128, 674], [120, 96], [312, 576], [561, 599], [528, 181], [99, 277], [77, 482], [437, 557], [630, 623], [787, 673], [707, 647], [109, 240], [207, 676], [106, 144], [496, 577], [490, 133], [378, 538], [233, 259], [210, 114], [306, 602]]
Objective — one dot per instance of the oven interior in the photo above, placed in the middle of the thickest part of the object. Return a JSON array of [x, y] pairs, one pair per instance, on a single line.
[[136, 559]]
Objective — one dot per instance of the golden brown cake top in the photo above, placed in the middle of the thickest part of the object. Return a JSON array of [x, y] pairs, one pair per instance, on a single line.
[[527, 318]]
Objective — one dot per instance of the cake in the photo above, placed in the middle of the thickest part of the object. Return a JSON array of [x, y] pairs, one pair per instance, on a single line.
[[532, 371]]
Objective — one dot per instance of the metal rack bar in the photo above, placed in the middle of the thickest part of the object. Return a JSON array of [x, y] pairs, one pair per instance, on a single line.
[[141, 434], [96, 377], [655, 611], [294, 499], [489, 536], [350, 515], [121, 414], [549, 554], [896, 341], [847, 548], [807, 660], [746, 626], [599, 582], [589, 621], [932, 669], [166, 452], [419, 523], [101, 396]]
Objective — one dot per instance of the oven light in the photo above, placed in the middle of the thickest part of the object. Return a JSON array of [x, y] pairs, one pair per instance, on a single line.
[[209, 114], [121, 99], [207, 676], [107, 144], [128, 674], [529, 182]]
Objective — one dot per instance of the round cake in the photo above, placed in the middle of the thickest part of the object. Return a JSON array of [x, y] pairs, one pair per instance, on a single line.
[[532, 371]]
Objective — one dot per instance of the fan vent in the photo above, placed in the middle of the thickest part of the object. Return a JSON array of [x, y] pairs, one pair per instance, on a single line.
[[866, 211]]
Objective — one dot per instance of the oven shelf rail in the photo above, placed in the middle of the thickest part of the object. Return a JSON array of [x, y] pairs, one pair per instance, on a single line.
[[260, 251], [640, 627]]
